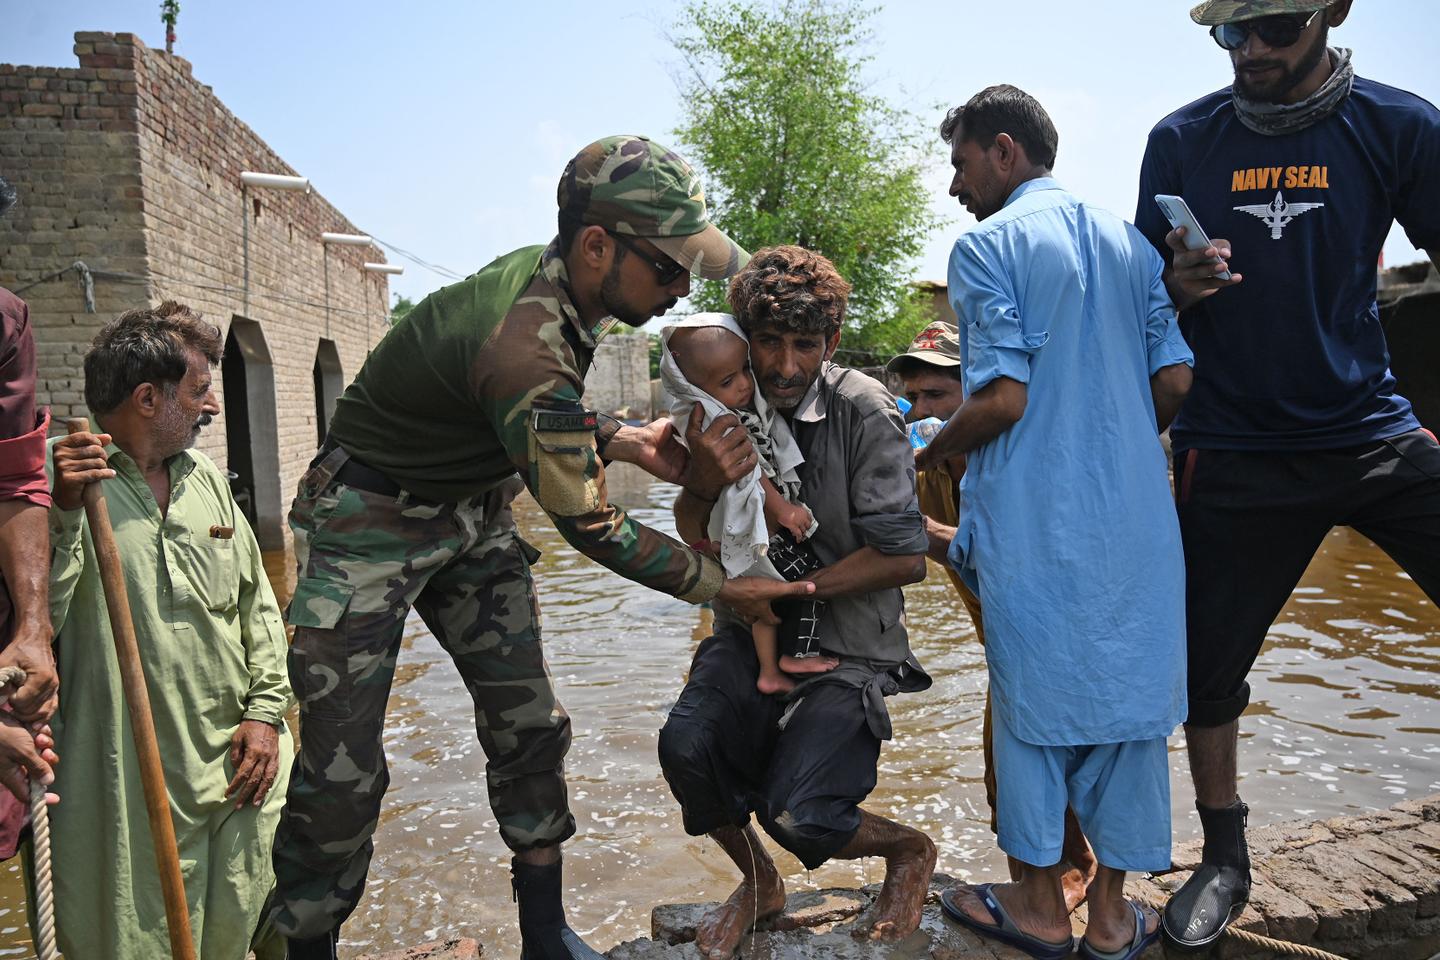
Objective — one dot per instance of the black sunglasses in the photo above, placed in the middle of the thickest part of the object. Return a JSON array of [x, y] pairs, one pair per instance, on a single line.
[[667, 271], [1280, 30]]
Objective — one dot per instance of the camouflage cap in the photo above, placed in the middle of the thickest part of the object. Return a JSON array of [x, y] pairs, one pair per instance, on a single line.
[[1213, 12], [634, 186], [938, 345]]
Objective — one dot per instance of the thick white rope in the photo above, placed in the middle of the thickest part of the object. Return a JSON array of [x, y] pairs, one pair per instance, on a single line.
[[40, 835]]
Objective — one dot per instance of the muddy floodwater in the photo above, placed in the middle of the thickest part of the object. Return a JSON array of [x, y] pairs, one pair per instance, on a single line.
[[1345, 718]]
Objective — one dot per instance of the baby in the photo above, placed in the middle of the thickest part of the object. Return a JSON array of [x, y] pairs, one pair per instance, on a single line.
[[759, 522]]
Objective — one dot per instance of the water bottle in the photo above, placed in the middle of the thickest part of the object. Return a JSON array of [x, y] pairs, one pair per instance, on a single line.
[[902, 405], [921, 432]]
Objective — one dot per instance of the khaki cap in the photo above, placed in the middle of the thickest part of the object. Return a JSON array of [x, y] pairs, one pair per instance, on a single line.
[[938, 345]]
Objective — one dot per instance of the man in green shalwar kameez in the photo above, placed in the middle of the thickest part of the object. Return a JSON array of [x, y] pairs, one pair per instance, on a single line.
[[213, 649]]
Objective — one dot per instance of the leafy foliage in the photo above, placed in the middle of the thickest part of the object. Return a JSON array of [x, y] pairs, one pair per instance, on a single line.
[[795, 148], [401, 307]]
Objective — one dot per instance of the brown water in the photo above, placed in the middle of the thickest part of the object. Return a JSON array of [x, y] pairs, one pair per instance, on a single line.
[[1346, 717]]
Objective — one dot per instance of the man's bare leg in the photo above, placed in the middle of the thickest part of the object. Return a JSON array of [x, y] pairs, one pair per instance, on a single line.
[[1215, 894], [1077, 864], [1212, 763], [1112, 923], [1036, 903], [909, 862], [760, 895]]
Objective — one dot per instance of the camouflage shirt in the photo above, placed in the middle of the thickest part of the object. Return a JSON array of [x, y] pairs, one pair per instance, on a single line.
[[482, 380]]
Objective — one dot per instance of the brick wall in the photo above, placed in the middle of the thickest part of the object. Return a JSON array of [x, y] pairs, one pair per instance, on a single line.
[[131, 164], [68, 144]]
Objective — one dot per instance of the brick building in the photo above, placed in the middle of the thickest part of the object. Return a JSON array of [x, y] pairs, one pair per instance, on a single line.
[[131, 167]]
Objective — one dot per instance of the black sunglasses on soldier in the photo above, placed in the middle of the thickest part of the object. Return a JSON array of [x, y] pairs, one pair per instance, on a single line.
[[667, 271], [1280, 30]]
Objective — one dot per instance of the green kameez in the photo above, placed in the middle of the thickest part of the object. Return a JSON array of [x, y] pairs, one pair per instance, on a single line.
[[213, 649]]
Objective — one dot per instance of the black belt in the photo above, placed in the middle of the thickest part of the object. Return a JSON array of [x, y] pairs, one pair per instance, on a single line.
[[355, 474]]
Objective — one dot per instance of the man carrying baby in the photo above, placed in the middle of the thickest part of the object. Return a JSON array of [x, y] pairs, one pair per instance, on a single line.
[[803, 762], [758, 527]]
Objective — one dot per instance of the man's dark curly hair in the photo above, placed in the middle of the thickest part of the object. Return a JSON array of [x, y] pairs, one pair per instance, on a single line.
[[791, 288]]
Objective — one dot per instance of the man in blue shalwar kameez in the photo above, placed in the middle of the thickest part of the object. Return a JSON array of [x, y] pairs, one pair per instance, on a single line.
[[1072, 363]]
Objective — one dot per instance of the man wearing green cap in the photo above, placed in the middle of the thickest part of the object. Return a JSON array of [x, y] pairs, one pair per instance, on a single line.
[[475, 395], [1294, 425]]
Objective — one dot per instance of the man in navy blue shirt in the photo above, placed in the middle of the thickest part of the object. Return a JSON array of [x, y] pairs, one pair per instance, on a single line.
[[1293, 425]]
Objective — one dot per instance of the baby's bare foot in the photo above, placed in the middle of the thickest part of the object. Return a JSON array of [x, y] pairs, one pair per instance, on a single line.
[[804, 665]]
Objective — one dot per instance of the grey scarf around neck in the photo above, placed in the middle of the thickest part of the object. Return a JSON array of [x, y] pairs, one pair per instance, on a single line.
[[1278, 119]]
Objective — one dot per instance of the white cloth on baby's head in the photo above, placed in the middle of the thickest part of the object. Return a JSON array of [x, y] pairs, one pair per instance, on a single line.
[[738, 521]]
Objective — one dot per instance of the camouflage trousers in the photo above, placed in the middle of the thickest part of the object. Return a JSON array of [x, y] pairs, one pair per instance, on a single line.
[[364, 559]]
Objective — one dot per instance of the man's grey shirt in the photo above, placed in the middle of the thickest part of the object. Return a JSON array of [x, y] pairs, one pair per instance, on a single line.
[[858, 480]]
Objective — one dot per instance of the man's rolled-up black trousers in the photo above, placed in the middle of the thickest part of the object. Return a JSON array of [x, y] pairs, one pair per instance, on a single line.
[[724, 754]]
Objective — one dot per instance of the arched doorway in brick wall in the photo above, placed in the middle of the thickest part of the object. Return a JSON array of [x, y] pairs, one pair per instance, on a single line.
[[329, 381], [251, 439]]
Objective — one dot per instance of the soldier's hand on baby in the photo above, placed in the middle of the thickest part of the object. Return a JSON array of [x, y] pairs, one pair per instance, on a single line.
[[79, 460], [750, 597], [720, 454]]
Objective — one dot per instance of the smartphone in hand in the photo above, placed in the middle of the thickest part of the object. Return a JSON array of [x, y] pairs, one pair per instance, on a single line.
[[1177, 212]]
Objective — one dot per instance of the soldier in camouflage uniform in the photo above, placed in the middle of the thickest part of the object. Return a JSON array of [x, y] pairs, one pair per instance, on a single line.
[[475, 395]]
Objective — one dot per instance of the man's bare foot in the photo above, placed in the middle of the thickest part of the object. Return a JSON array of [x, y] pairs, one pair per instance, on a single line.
[[803, 665], [773, 681], [896, 913], [1032, 919], [719, 932]]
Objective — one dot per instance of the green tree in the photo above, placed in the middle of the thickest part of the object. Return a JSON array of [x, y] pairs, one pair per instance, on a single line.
[[795, 147], [401, 307]]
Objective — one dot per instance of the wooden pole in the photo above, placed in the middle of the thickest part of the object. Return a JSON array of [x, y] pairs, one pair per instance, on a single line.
[[142, 724]]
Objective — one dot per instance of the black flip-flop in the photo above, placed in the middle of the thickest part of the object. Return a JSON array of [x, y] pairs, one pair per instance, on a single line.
[[1133, 949], [1004, 928]]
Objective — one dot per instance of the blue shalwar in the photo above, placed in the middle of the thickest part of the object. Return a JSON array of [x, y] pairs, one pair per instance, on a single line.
[[1067, 530]]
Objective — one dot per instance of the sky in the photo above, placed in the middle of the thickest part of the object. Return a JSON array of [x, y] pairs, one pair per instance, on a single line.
[[442, 127]]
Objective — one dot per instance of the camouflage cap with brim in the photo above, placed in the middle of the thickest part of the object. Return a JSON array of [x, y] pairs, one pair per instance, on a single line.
[[1214, 12], [634, 186], [938, 345]]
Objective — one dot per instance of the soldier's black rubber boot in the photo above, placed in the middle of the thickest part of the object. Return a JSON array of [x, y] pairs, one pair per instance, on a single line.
[[544, 935], [1216, 893], [321, 948]]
